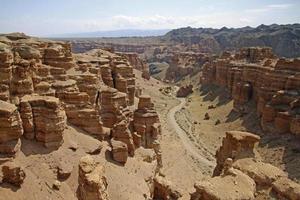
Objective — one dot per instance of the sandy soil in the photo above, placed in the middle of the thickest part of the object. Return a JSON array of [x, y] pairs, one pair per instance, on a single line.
[[280, 150]]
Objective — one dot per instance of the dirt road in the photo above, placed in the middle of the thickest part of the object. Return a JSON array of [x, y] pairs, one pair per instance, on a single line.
[[189, 146]]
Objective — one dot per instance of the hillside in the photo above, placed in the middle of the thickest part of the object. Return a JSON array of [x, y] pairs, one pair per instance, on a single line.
[[284, 39]]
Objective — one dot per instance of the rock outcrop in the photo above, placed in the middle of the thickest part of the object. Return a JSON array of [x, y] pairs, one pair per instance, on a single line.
[[235, 145], [232, 184], [11, 129], [119, 151], [256, 74], [44, 119], [184, 91], [164, 189], [122, 133], [240, 174], [184, 63], [92, 184], [12, 173], [146, 122], [135, 61], [45, 89]]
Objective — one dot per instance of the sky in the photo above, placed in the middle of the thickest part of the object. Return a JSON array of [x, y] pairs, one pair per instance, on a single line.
[[47, 17]]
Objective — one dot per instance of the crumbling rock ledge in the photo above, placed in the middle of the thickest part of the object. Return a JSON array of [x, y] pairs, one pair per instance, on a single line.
[[240, 174]]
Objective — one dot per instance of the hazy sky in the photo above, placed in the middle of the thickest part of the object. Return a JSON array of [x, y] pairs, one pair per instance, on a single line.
[[44, 17]]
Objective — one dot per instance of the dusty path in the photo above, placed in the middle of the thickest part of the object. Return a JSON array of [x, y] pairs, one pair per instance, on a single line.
[[189, 146]]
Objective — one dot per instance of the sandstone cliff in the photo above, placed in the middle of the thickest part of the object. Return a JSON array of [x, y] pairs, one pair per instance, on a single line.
[[256, 74]]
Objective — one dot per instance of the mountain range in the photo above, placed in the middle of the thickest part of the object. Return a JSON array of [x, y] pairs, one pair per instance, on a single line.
[[284, 39]]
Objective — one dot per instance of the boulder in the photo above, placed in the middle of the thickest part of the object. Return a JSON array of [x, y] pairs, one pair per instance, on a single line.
[[13, 174], [184, 91], [119, 151]]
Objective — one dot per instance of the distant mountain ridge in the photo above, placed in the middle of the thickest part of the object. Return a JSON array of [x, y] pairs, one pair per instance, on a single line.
[[114, 33], [284, 39]]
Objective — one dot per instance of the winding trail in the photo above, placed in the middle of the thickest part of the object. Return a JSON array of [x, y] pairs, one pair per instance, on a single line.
[[189, 146]]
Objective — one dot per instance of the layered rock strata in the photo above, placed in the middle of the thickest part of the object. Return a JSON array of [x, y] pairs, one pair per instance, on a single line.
[[184, 63], [11, 128], [146, 122], [47, 85], [44, 119], [256, 74]]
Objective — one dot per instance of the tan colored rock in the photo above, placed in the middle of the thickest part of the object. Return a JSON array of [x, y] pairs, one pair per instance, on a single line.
[[6, 60], [164, 189], [92, 183], [106, 75], [255, 74], [58, 54], [113, 106], [285, 188], [135, 61], [234, 184], [235, 145], [44, 119], [79, 108], [64, 170], [262, 173], [146, 122], [119, 151], [121, 133], [184, 63], [10, 128], [146, 75]]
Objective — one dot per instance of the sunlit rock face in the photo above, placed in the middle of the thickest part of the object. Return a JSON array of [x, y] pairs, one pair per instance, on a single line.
[[256, 74]]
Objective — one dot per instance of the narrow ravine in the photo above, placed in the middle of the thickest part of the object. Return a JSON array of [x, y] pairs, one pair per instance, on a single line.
[[189, 145]]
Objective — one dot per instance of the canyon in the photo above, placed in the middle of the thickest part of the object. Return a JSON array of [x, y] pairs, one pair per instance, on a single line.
[[147, 119]]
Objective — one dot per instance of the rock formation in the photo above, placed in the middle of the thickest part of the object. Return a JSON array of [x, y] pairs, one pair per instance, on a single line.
[[240, 174], [146, 122], [235, 145], [164, 190], [184, 91], [135, 61], [47, 92], [256, 74], [12, 173], [10, 128], [233, 184], [44, 119], [119, 151], [92, 183], [183, 64], [122, 133]]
